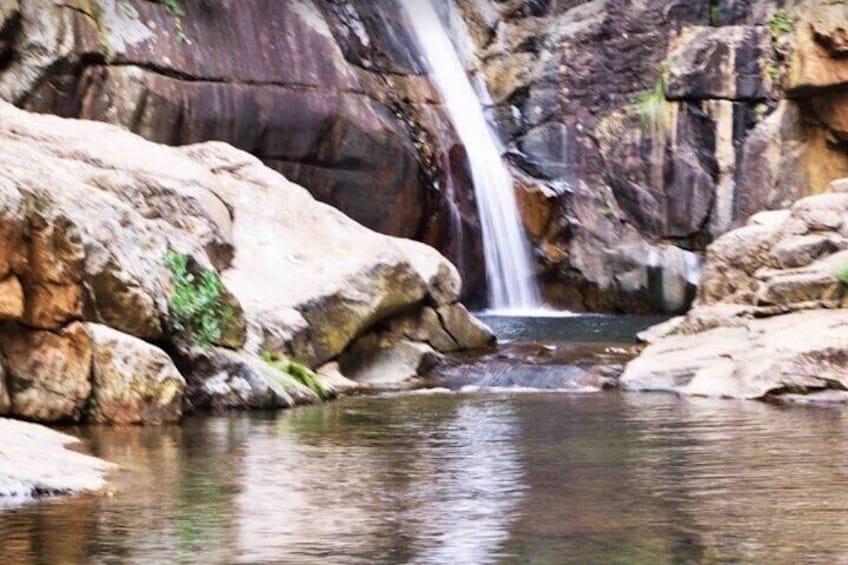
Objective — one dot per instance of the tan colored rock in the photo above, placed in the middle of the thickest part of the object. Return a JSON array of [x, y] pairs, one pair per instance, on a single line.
[[424, 326], [331, 378], [816, 59], [772, 317], [832, 109], [800, 251], [49, 373], [803, 351], [134, 382], [388, 364], [467, 331], [11, 299], [50, 306], [732, 261]]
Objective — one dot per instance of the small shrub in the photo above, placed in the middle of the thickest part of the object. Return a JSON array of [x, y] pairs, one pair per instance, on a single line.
[[300, 373], [175, 8], [842, 275], [773, 72], [198, 312], [780, 24], [715, 15], [652, 107]]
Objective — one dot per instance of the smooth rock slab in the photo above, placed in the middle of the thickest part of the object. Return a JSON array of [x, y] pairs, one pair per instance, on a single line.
[[800, 352], [35, 462]]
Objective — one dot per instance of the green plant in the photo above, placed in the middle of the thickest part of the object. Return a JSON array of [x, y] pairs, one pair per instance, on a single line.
[[300, 373], [780, 24], [128, 9], [842, 275], [652, 106], [198, 311], [607, 211], [715, 15], [773, 72], [175, 7]]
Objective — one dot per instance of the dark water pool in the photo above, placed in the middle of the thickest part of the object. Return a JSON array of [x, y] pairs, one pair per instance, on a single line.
[[483, 477]]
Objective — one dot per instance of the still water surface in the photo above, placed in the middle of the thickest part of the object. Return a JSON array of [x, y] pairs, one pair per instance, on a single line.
[[532, 478], [484, 477]]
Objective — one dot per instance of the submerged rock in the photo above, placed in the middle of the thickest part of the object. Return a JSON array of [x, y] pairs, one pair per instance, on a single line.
[[35, 462], [771, 316]]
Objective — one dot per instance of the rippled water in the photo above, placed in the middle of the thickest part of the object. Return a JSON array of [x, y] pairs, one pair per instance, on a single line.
[[542, 478]]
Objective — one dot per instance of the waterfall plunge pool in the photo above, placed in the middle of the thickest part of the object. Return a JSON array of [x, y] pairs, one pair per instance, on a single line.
[[490, 476]]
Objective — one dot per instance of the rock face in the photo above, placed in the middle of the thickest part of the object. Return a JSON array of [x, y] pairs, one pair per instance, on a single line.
[[89, 213], [330, 94], [638, 133], [35, 462], [645, 130], [772, 312]]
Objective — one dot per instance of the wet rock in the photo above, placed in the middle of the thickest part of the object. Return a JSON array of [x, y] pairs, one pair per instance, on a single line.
[[34, 461], [5, 403], [48, 372], [133, 381]]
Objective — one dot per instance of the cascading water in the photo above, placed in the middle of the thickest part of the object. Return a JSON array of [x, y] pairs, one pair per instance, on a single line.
[[509, 271]]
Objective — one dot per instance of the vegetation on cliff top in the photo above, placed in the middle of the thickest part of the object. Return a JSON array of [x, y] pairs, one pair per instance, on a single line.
[[198, 312]]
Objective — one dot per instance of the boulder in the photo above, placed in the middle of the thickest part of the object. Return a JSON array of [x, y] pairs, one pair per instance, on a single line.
[[384, 363], [331, 378], [771, 317], [353, 120], [35, 462], [467, 331], [300, 278], [133, 381], [48, 372], [797, 353], [220, 379]]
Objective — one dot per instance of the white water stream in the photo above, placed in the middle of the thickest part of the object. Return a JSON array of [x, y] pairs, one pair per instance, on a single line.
[[509, 271]]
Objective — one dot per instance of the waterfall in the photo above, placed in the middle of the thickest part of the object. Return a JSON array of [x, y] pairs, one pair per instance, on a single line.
[[509, 270]]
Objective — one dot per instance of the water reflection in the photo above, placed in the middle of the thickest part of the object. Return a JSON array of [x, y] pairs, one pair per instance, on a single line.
[[463, 479], [430, 486]]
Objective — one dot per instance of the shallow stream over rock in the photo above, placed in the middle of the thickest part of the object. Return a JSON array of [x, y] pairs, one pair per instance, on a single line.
[[489, 476]]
